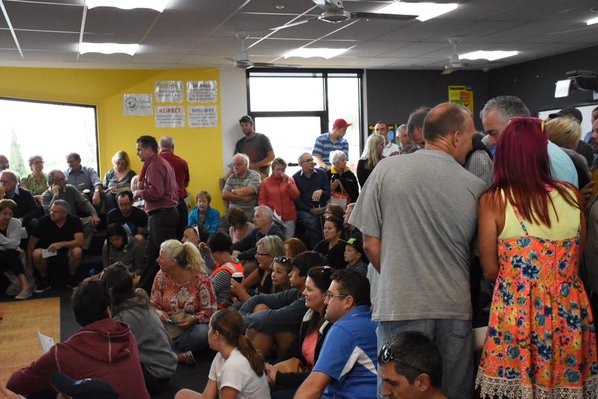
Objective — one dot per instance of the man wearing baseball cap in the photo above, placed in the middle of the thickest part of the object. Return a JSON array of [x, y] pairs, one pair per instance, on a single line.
[[331, 141]]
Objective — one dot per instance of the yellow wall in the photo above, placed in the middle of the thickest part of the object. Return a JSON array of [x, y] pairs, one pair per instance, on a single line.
[[201, 148]]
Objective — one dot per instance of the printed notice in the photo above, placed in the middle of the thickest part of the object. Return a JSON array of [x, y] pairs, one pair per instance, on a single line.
[[170, 91], [202, 91], [138, 105], [203, 116], [169, 117]]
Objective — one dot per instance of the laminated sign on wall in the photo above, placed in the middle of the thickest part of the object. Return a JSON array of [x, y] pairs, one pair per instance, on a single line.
[[169, 117]]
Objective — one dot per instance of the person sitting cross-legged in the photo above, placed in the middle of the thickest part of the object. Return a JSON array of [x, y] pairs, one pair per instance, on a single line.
[[55, 247], [346, 365], [103, 349]]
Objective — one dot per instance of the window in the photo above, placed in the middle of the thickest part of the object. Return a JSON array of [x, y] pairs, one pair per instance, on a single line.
[[293, 108], [51, 130]]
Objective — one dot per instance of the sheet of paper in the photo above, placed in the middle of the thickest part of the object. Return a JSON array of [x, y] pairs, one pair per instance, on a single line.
[[45, 341], [47, 253]]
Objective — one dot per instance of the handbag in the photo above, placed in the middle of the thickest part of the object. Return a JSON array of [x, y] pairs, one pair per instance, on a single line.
[[341, 198]]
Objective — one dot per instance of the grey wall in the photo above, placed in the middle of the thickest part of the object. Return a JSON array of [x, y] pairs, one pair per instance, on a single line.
[[393, 94]]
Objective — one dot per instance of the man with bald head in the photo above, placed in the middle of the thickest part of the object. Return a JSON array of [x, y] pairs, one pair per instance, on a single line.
[[426, 288]]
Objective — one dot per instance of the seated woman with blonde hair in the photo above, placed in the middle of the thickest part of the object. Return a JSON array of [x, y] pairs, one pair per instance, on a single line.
[[183, 297]]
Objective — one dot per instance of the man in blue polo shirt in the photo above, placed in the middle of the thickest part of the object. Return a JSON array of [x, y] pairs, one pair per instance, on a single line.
[[333, 140], [346, 367]]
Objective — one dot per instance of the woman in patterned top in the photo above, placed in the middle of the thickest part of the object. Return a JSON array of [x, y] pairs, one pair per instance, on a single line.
[[541, 341], [183, 297], [37, 180]]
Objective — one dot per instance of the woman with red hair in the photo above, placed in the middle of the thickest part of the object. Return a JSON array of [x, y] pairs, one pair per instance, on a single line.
[[541, 341]]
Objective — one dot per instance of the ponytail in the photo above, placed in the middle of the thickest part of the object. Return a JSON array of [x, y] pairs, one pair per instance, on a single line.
[[250, 353], [229, 324]]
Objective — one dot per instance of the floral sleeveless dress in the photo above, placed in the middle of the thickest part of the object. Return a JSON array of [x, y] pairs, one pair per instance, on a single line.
[[541, 341]]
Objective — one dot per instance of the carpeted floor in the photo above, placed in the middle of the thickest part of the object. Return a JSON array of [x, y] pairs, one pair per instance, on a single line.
[[53, 316], [18, 332]]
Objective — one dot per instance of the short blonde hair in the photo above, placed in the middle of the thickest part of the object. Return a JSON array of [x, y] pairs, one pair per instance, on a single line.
[[564, 132], [121, 155], [185, 255]]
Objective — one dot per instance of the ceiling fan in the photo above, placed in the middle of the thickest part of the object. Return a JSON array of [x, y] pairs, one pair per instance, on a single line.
[[244, 62], [334, 12], [454, 63]]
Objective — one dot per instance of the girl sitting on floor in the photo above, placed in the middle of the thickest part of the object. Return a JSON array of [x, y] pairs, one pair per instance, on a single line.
[[237, 371]]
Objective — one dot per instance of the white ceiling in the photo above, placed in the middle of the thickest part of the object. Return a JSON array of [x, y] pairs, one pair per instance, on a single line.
[[201, 33]]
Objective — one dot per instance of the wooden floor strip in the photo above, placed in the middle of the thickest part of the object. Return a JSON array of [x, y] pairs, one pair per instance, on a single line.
[[19, 344]]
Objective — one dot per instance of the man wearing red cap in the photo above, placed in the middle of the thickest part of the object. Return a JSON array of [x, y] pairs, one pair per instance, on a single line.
[[331, 141]]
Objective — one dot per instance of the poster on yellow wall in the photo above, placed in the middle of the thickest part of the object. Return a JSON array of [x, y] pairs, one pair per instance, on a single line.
[[170, 117], [169, 91], [462, 95], [203, 116], [138, 105], [202, 91]]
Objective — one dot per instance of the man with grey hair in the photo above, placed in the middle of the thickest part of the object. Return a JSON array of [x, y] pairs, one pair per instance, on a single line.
[[408, 285], [181, 171], [27, 208], [55, 247], [496, 115], [84, 178], [265, 225], [78, 204], [241, 188]]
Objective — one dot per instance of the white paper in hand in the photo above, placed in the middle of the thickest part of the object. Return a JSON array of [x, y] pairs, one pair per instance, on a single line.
[[47, 253], [46, 342]]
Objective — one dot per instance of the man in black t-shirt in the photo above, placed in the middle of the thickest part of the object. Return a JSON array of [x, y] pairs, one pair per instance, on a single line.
[[131, 218], [55, 247]]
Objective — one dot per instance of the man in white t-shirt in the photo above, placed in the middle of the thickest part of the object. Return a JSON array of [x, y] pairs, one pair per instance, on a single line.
[[390, 148]]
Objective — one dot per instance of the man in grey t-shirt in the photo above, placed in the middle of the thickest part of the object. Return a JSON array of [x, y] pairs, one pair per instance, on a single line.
[[418, 217]]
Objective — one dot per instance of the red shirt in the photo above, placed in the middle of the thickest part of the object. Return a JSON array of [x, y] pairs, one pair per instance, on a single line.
[[160, 189], [181, 171]]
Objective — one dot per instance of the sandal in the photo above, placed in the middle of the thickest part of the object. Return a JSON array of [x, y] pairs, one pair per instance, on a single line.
[[186, 358]]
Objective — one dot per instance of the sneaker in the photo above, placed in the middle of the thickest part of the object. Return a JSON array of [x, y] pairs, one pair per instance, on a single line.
[[42, 286], [25, 294]]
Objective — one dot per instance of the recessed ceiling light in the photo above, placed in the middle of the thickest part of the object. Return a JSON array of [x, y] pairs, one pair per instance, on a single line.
[[326, 53], [488, 55], [592, 21], [108, 48], [158, 5], [424, 11]]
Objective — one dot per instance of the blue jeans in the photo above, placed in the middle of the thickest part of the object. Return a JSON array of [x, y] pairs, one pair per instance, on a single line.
[[454, 341], [194, 339]]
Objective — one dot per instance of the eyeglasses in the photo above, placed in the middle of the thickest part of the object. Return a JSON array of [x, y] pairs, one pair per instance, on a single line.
[[308, 161], [386, 356], [330, 295], [283, 260], [259, 254]]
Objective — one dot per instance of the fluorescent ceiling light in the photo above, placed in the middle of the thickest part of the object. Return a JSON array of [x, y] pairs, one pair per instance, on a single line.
[[158, 5], [592, 21], [424, 11], [315, 52], [108, 48], [488, 55]]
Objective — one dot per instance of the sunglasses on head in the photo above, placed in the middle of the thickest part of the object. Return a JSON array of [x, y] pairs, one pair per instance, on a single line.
[[283, 260], [386, 356]]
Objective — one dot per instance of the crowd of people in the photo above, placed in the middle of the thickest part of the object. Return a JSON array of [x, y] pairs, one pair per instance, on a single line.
[[328, 283]]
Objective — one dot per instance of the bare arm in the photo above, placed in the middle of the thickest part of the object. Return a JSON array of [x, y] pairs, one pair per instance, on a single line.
[[77, 241], [373, 249], [313, 386], [320, 162], [488, 212]]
